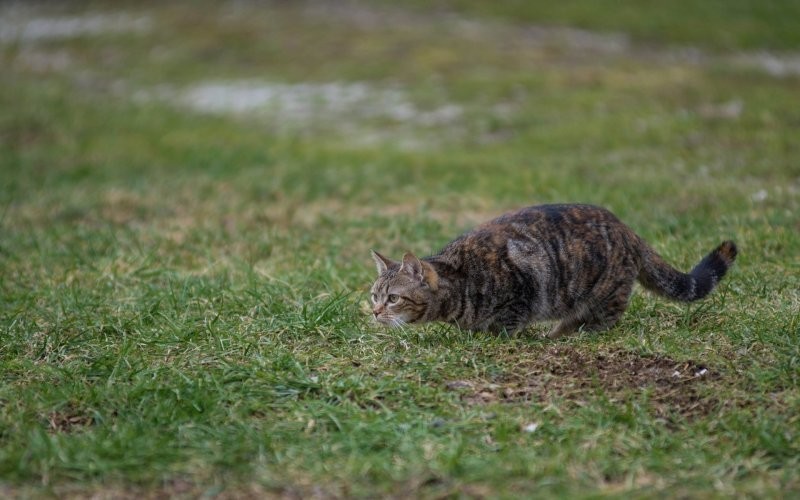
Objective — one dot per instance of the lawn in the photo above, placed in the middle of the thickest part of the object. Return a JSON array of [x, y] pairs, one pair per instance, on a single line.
[[189, 192]]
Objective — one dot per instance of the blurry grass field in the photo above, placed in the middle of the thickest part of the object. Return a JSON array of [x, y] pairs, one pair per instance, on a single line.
[[189, 193]]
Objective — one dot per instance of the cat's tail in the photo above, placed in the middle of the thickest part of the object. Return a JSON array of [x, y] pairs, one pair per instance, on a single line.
[[660, 277]]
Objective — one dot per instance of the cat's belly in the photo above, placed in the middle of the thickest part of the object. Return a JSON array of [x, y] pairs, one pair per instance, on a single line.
[[512, 317]]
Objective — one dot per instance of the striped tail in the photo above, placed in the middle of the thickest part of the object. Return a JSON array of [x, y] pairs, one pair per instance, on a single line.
[[660, 277]]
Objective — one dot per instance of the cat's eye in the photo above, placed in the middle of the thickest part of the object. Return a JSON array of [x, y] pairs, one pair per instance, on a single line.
[[393, 298], [374, 298]]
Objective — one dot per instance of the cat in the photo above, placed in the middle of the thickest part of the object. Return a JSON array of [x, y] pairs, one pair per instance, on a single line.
[[575, 264]]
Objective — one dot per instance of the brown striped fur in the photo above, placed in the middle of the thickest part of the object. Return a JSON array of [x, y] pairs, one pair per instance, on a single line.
[[575, 264]]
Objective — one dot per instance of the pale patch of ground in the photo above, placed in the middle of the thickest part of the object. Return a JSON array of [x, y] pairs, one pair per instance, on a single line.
[[777, 65], [304, 102], [346, 107], [19, 24]]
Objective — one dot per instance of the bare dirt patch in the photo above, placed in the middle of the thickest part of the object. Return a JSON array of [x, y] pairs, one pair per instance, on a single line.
[[673, 387], [171, 488], [68, 420]]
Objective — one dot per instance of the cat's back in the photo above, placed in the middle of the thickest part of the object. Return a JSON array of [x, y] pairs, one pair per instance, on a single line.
[[545, 216], [566, 228], [570, 221]]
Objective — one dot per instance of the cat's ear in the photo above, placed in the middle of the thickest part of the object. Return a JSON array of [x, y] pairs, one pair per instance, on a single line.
[[420, 270], [412, 266], [382, 262]]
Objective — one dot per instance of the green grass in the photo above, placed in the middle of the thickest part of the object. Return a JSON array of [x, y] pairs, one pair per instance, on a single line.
[[182, 295], [717, 24]]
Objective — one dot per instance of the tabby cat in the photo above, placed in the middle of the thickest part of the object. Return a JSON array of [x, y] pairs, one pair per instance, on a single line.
[[571, 263]]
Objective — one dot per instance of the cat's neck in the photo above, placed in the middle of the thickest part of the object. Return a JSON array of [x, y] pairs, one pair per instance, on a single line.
[[447, 297]]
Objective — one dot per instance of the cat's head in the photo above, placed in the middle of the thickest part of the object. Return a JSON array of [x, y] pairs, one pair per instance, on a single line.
[[403, 290]]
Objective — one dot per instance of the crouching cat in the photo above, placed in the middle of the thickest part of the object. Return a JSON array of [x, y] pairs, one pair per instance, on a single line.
[[571, 263]]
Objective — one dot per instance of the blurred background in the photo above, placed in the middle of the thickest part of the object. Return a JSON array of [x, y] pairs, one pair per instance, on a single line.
[[291, 136], [189, 191]]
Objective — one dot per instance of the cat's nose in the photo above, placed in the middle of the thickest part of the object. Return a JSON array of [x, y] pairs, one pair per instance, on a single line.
[[377, 310]]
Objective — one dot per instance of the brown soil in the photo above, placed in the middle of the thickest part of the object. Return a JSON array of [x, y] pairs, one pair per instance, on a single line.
[[68, 420], [674, 387]]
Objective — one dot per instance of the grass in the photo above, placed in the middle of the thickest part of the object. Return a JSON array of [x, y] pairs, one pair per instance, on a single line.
[[183, 293], [715, 24]]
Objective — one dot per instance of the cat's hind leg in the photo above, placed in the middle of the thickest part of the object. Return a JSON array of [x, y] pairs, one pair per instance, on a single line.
[[605, 314], [565, 327], [599, 316], [569, 324]]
